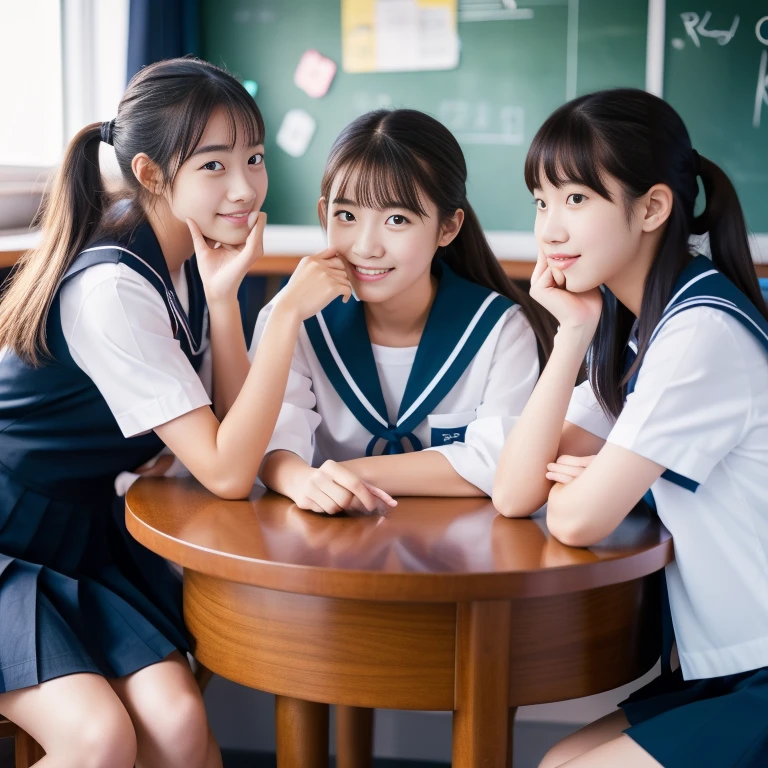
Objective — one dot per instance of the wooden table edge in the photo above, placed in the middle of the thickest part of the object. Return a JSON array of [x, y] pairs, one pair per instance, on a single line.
[[405, 587]]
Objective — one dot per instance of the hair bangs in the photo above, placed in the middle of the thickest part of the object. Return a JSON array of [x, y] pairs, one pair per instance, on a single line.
[[567, 151], [379, 176], [245, 125]]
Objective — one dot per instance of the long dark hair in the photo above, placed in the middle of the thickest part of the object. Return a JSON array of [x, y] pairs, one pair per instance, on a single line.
[[163, 114], [640, 140], [399, 156]]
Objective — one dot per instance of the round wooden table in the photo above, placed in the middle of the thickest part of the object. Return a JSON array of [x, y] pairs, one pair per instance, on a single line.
[[441, 605]]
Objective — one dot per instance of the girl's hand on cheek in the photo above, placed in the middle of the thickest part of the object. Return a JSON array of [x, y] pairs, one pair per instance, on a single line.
[[223, 267], [317, 281], [572, 310]]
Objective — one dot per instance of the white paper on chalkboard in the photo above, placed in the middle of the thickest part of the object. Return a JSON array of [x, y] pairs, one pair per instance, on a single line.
[[296, 132]]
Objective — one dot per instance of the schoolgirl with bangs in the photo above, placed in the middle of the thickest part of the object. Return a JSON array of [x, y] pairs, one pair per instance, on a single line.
[[675, 411], [411, 387], [111, 337]]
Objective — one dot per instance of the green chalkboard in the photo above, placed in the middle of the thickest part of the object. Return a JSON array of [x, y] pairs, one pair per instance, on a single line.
[[716, 76], [511, 75]]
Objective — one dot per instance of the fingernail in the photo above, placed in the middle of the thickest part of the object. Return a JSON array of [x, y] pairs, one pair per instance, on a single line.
[[252, 216], [216, 245]]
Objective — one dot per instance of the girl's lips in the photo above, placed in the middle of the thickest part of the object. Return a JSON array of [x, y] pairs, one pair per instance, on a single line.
[[370, 278], [562, 260], [239, 219]]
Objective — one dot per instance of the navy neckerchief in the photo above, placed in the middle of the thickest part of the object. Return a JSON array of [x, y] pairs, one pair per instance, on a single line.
[[699, 285], [142, 253], [462, 315]]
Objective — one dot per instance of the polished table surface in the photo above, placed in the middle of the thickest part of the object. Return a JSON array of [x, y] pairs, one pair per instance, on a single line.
[[429, 607]]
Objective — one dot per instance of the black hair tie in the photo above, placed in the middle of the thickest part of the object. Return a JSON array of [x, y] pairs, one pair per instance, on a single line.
[[108, 131]]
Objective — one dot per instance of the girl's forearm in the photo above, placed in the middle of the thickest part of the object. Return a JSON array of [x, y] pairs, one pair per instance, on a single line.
[[284, 472], [225, 456], [245, 432], [521, 487], [424, 473], [229, 355]]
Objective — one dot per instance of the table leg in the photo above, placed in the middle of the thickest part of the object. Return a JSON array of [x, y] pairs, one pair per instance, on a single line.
[[481, 719], [354, 737], [302, 733]]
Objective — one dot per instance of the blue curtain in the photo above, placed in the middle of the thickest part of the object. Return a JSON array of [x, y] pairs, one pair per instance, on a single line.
[[161, 29]]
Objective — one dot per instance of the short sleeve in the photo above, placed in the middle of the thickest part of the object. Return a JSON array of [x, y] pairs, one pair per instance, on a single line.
[[692, 399], [118, 332], [298, 419], [512, 376], [585, 411]]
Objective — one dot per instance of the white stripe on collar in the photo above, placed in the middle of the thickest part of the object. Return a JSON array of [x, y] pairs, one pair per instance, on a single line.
[[178, 314], [708, 301], [345, 373], [447, 364], [689, 284]]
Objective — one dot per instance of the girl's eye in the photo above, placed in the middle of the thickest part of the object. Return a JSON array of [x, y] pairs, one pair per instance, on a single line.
[[344, 216], [256, 159], [540, 204], [397, 220], [576, 199], [212, 166]]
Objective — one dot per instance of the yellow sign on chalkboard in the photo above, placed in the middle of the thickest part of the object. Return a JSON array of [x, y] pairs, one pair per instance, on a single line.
[[399, 35]]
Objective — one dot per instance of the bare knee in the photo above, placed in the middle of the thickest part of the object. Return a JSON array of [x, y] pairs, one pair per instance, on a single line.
[[180, 730], [187, 723], [106, 739]]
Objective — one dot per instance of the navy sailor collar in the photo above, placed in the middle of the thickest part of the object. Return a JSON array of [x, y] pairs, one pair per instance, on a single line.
[[460, 319]]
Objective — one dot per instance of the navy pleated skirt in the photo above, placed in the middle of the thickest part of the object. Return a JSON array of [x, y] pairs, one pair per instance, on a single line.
[[77, 593], [721, 722]]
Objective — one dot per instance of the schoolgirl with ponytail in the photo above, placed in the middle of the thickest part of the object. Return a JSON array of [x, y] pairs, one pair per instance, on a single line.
[[109, 332], [411, 387], [675, 411]]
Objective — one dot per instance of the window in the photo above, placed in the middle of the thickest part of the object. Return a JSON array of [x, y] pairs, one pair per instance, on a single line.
[[63, 65], [32, 131]]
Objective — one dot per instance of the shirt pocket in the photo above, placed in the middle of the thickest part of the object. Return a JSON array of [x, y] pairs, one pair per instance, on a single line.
[[447, 428]]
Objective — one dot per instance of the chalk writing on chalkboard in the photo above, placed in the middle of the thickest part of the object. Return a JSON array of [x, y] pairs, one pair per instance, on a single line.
[[482, 122], [761, 96], [696, 28]]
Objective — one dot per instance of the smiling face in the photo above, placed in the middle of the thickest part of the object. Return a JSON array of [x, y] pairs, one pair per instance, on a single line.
[[592, 239], [390, 249], [220, 183]]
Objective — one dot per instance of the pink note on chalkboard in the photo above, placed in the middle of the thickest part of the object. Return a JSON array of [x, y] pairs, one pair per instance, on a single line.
[[314, 74]]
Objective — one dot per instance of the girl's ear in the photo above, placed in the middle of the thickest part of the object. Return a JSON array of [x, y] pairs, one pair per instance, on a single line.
[[147, 173], [322, 212], [658, 202], [450, 227]]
